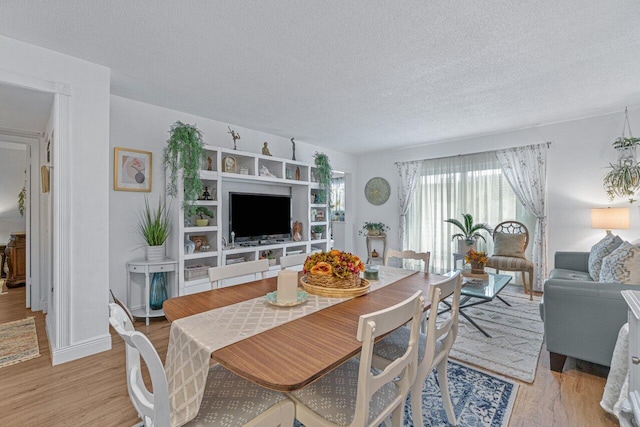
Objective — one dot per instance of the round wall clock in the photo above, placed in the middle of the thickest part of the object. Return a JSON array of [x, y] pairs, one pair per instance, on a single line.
[[377, 190]]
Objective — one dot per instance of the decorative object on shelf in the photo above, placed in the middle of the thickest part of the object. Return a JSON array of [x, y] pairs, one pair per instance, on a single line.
[[323, 174], [22, 195], [477, 260], [264, 171], [229, 164], [198, 241], [297, 231], [373, 229], [184, 151], [374, 254], [297, 173], [223, 242], [623, 180], [470, 232], [244, 171], [189, 245], [233, 241], [154, 226], [377, 191], [157, 291], [192, 272], [318, 198], [131, 170], [203, 212], [265, 149], [288, 174], [293, 143], [317, 232], [333, 269], [270, 256], [205, 194], [235, 135], [209, 163]]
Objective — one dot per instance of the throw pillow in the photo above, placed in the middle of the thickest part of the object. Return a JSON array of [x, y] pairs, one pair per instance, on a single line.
[[600, 250], [508, 244], [622, 265]]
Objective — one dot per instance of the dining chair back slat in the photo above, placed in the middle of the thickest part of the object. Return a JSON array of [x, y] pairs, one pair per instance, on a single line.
[[409, 255], [217, 274], [293, 260]]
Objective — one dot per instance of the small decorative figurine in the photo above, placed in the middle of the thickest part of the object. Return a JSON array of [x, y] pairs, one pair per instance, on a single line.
[[294, 149], [265, 150], [210, 163], [297, 231], [233, 240], [374, 254], [205, 194], [297, 173], [235, 135]]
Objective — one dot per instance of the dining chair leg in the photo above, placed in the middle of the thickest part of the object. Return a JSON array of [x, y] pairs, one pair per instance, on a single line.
[[397, 416], [444, 391], [416, 402], [530, 285]]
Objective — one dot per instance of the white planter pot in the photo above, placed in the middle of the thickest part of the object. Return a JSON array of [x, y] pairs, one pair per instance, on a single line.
[[155, 253], [464, 247]]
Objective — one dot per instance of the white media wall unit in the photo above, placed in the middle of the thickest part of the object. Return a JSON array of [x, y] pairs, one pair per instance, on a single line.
[[226, 171]]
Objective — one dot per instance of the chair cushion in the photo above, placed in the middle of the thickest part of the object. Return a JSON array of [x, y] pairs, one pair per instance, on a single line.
[[333, 396], [509, 244], [394, 345], [600, 250], [622, 265], [508, 263], [231, 400], [562, 274]]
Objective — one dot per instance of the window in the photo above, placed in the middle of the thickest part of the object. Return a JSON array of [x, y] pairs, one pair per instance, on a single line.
[[337, 196], [451, 186]]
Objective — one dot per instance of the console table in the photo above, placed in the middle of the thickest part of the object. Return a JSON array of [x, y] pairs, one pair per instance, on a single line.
[[147, 268], [370, 239], [16, 254]]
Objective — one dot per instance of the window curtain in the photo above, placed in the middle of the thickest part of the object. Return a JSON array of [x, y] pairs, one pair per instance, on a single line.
[[409, 172], [449, 187], [525, 168]]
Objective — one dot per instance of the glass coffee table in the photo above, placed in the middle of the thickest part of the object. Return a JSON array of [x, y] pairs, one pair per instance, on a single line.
[[475, 294]]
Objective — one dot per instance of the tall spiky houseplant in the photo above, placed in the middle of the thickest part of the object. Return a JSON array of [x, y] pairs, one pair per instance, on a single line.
[[469, 232], [185, 151]]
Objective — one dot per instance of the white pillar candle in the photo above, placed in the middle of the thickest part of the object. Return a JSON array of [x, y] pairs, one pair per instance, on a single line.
[[287, 286]]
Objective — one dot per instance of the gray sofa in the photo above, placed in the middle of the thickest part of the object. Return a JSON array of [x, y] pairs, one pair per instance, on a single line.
[[581, 317]]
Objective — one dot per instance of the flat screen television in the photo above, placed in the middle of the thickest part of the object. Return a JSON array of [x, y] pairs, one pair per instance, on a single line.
[[258, 215]]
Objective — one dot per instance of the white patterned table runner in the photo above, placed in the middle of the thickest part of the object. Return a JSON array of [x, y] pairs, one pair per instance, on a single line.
[[193, 339]]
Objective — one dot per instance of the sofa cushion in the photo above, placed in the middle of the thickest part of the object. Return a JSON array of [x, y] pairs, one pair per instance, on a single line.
[[600, 250], [622, 265], [509, 244], [562, 274]]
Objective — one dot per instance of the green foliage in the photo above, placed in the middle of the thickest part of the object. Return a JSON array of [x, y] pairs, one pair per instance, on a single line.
[[202, 212], [623, 180], [372, 226], [22, 197], [185, 151], [317, 229], [323, 174], [624, 142], [470, 231], [154, 225]]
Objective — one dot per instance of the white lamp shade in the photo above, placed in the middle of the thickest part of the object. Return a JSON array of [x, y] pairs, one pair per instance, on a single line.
[[610, 218]]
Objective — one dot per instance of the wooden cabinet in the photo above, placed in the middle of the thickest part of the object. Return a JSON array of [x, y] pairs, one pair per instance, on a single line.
[[16, 254]]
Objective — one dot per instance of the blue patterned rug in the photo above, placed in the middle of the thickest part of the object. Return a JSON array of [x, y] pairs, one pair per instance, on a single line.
[[479, 399]]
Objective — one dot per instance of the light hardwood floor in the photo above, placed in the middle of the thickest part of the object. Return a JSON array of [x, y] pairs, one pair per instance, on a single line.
[[93, 391]]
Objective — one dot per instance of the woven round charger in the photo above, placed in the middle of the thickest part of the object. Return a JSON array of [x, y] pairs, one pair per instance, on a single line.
[[334, 292]]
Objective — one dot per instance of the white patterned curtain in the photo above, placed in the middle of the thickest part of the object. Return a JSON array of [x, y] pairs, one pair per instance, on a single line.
[[409, 172], [525, 168]]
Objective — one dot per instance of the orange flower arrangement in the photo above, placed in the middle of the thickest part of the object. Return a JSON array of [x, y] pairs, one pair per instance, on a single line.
[[336, 263], [476, 257]]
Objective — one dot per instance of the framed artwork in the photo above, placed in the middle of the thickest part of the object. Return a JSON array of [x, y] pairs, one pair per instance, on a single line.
[[131, 170]]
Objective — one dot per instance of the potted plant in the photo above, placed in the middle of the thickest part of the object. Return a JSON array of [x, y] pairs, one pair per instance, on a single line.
[[623, 180], [184, 151], [203, 212], [317, 230], [373, 229], [154, 226], [477, 259], [323, 174], [470, 232], [270, 256]]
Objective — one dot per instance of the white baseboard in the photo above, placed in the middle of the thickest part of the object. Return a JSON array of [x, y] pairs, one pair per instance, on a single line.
[[80, 349]]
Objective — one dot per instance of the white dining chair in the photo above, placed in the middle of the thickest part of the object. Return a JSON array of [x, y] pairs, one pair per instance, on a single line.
[[424, 257], [228, 399], [293, 260], [433, 349], [255, 268], [355, 395]]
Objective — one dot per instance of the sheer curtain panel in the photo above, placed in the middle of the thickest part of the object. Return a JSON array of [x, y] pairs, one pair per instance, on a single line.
[[409, 172]]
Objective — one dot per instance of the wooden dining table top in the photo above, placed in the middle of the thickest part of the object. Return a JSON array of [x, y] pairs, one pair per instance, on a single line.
[[295, 354]]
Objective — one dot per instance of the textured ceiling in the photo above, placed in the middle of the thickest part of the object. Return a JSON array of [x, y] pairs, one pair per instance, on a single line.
[[354, 75]]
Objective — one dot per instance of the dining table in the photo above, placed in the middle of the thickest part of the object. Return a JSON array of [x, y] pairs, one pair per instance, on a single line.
[[289, 351]]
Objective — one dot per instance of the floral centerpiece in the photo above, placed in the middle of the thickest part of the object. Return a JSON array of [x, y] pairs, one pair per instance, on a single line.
[[334, 269], [477, 259]]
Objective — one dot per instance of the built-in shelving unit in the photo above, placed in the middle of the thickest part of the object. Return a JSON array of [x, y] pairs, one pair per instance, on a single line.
[[245, 172]]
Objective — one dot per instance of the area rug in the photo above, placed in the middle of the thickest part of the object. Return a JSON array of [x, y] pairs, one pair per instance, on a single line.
[[516, 337], [2, 290], [479, 399], [18, 342]]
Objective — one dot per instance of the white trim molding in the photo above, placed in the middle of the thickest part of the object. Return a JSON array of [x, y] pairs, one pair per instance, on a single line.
[[81, 349]]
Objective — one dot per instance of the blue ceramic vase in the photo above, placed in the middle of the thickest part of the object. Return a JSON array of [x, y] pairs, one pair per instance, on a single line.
[[158, 291]]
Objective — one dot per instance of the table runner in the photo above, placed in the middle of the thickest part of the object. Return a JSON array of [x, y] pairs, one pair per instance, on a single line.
[[193, 339]]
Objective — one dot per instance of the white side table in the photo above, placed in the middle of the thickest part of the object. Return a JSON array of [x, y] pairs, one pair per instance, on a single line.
[[458, 257], [147, 268], [382, 238]]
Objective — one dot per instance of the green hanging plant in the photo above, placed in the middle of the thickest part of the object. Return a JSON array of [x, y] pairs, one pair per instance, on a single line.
[[22, 197], [185, 151], [323, 174]]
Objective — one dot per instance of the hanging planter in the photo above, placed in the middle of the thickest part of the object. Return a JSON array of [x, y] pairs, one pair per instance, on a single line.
[[623, 180]]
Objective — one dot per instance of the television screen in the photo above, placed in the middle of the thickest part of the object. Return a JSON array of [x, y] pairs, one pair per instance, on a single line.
[[257, 215]]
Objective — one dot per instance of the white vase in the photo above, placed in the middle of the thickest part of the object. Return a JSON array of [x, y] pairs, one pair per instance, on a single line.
[[155, 253], [464, 246]]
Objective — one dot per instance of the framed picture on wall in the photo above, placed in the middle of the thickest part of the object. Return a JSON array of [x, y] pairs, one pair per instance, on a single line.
[[131, 170]]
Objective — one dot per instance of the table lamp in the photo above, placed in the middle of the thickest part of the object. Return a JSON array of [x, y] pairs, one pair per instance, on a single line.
[[610, 218]]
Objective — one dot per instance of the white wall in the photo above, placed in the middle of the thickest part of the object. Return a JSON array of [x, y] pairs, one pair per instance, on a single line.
[[87, 330], [146, 127], [580, 152], [12, 165]]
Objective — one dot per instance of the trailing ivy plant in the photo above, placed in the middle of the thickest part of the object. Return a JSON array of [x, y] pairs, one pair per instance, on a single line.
[[185, 151], [323, 175], [22, 197]]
